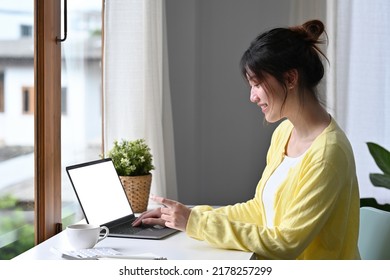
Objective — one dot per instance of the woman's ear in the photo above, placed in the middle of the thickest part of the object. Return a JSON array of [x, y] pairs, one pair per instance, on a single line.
[[291, 78]]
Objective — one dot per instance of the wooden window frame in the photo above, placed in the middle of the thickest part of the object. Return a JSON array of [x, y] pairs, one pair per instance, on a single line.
[[47, 118]]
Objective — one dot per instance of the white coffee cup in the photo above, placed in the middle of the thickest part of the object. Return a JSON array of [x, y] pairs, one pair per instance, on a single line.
[[85, 236]]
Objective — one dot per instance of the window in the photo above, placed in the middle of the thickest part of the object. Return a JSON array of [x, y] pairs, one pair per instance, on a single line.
[[64, 100], [28, 100], [26, 30], [81, 85], [1, 92], [16, 130]]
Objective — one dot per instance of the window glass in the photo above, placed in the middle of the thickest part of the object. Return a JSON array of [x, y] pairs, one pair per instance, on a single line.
[[16, 127], [81, 95]]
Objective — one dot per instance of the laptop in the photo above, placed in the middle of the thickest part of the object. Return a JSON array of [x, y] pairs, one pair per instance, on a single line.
[[103, 200]]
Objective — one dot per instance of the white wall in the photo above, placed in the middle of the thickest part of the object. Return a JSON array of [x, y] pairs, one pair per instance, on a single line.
[[18, 128], [220, 138], [12, 15]]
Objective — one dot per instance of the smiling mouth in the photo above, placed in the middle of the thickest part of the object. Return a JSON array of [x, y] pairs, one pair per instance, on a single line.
[[263, 106]]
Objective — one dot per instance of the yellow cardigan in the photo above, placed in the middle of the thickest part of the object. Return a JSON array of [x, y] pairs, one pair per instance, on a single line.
[[316, 207]]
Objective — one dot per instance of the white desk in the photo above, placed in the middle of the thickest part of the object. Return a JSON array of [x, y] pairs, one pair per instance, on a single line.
[[176, 247]]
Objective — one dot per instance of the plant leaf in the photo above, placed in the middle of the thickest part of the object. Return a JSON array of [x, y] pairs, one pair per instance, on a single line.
[[380, 180], [381, 156]]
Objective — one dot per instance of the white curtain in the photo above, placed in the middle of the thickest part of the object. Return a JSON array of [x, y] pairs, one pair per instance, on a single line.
[[136, 99], [360, 80]]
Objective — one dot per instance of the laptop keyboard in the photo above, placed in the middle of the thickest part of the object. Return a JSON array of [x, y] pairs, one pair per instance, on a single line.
[[126, 228]]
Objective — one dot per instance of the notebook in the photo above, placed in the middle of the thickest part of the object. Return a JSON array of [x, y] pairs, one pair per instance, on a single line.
[[104, 202]]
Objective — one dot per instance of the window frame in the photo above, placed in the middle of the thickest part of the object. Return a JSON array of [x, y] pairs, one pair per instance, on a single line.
[[47, 119]]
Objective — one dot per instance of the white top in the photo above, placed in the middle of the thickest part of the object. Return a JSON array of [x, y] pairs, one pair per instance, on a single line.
[[274, 181]]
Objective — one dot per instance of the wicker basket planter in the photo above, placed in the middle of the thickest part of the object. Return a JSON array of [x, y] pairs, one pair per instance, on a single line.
[[137, 189]]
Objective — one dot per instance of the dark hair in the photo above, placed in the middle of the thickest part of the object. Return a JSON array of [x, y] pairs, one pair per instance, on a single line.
[[282, 49]]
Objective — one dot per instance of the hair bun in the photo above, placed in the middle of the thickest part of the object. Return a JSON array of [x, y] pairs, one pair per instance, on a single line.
[[314, 28], [310, 31]]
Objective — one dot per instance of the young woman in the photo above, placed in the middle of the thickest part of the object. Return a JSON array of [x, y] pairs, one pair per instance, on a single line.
[[306, 204]]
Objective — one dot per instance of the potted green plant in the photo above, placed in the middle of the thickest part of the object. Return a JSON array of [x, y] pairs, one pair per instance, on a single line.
[[382, 159], [133, 163]]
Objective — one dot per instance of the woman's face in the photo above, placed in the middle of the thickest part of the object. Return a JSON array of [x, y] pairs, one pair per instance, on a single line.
[[269, 95]]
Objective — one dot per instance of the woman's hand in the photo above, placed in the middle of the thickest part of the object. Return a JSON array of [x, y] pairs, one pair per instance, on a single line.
[[151, 217], [174, 214]]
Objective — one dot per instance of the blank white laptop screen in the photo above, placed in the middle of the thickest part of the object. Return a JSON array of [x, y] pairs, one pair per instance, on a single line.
[[100, 192]]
